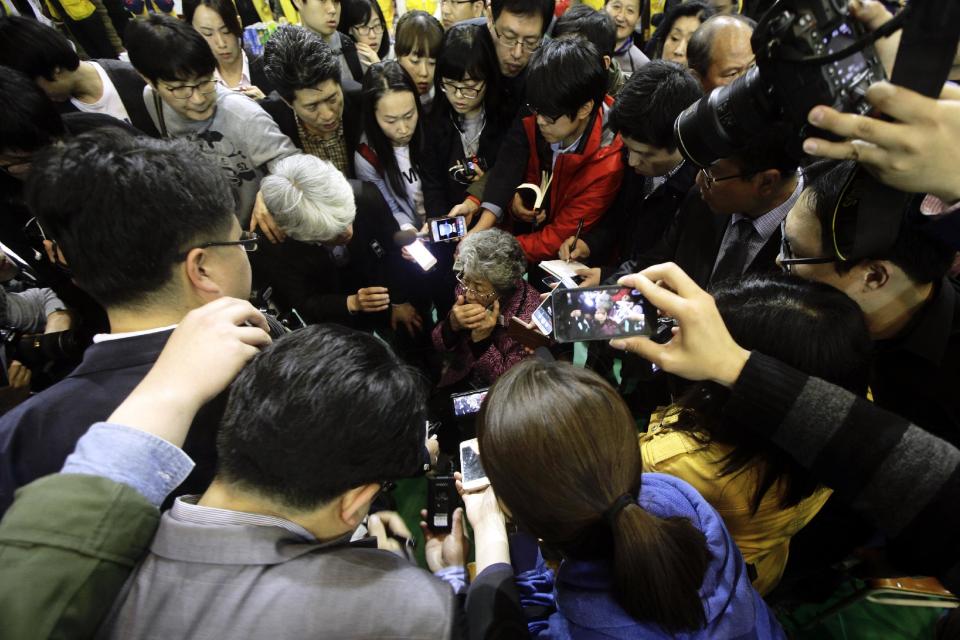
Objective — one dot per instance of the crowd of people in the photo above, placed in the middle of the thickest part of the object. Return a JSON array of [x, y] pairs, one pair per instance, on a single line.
[[237, 310]]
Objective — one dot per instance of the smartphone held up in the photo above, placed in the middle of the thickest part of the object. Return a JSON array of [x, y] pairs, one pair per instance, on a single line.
[[601, 313]]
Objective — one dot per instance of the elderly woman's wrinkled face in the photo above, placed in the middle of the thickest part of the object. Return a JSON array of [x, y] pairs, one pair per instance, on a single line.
[[478, 290]]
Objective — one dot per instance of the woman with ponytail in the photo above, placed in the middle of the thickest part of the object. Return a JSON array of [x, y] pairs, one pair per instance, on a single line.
[[643, 554]]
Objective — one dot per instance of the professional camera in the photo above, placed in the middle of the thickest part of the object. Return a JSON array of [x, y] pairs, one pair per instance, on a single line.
[[809, 52]]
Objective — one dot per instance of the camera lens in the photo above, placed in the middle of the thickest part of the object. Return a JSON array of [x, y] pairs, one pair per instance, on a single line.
[[719, 124]]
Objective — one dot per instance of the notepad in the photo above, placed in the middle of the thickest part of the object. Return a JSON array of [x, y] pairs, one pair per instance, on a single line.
[[562, 269]]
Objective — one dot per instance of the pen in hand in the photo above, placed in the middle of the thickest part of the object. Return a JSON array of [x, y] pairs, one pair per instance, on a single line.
[[576, 238]]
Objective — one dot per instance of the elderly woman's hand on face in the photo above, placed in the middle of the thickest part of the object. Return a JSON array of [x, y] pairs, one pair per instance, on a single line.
[[487, 324], [466, 315]]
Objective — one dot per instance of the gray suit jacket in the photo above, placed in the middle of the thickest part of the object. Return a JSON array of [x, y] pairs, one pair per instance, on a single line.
[[250, 581]]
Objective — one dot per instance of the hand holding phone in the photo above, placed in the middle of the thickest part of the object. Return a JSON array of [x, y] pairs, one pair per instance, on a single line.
[[601, 313], [448, 229], [422, 255], [474, 477]]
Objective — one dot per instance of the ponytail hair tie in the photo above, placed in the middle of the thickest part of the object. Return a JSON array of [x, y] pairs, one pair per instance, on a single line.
[[610, 515]]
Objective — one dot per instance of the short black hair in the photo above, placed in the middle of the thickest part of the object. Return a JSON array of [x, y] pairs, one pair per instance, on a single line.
[[701, 42], [769, 148], [297, 58], [166, 48], [30, 120], [553, 90], [224, 8], [354, 13], [34, 48], [542, 8], [418, 33], [588, 23], [923, 258], [650, 101], [350, 413], [123, 208]]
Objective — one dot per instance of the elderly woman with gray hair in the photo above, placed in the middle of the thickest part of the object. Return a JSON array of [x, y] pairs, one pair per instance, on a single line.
[[336, 261], [490, 291]]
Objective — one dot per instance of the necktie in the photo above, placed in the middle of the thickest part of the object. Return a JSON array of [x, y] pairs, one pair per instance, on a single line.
[[733, 261]]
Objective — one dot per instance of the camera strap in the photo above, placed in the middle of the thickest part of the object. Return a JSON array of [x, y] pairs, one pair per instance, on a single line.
[[870, 213]]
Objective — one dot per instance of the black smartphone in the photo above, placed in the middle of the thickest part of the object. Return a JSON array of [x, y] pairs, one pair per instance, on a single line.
[[601, 313], [442, 501], [467, 403], [446, 229]]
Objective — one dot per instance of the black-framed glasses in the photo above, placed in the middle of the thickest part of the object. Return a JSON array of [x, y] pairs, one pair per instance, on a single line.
[[510, 42], [442, 2], [786, 258], [376, 30], [479, 295], [709, 180], [248, 240], [537, 113], [185, 91], [469, 93]]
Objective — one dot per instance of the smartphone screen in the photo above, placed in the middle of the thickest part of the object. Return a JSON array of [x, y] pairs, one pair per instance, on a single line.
[[446, 229], [422, 255], [601, 313], [465, 404], [474, 477], [543, 317]]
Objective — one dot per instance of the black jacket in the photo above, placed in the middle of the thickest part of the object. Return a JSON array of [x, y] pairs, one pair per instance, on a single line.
[[305, 277], [283, 115], [635, 222], [129, 85], [444, 150], [693, 241]]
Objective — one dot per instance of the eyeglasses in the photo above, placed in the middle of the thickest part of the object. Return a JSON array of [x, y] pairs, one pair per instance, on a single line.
[[469, 93], [537, 113], [709, 180], [185, 91], [510, 42], [786, 259], [375, 30], [443, 2], [248, 240], [479, 295]]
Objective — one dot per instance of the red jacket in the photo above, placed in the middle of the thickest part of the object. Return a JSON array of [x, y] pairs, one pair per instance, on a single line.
[[584, 184]]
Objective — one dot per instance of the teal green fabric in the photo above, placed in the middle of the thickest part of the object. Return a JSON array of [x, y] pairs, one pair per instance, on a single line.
[[67, 545]]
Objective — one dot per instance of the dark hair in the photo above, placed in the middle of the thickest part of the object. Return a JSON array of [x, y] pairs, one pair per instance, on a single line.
[[351, 413], [923, 258], [559, 447], [553, 89], [34, 49], [224, 8], [692, 8], [468, 51], [418, 33], [165, 48], [542, 8], [297, 58], [123, 208], [30, 120], [355, 13], [586, 22], [650, 102], [379, 80], [701, 42], [769, 148], [810, 326]]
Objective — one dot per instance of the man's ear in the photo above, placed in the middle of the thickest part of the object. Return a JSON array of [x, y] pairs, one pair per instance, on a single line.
[[489, 14], [767, 181], [54, 254], [296, 5], [355, 503], [607, 61], [585, 110], [150, 82], [197, 266], [876, 274]]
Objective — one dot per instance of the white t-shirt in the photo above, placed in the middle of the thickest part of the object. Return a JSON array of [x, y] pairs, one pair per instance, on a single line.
[[411, 180], [109, 103]]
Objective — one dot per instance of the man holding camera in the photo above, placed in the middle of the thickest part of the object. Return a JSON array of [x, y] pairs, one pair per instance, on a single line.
[[148, 229]]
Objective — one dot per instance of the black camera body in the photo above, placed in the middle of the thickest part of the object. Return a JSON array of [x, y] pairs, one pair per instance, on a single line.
[[796, 45]]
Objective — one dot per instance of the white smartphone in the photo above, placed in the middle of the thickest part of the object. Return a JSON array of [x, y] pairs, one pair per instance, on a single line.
[[474, 477], [422, 255], [543, 317]]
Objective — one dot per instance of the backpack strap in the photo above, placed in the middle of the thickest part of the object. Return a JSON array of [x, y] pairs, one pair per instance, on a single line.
[[370, 156]]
